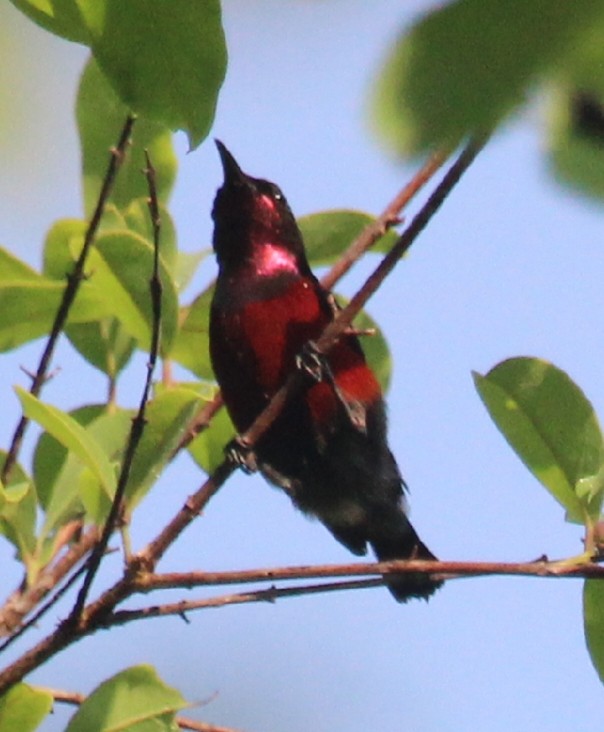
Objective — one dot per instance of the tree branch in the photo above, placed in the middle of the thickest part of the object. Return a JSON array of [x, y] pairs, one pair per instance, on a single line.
[[444, 569]]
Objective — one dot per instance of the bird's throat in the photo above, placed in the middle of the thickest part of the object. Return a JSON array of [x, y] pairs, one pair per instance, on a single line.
[[272, 259]]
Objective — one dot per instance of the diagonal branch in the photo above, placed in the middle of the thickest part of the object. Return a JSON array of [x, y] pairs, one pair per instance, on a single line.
[[74, 279]]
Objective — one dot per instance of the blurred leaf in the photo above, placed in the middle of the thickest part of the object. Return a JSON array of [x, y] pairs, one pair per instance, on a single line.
[[100, 117], [374, 345], [576, 118], [61, 17], [18, 511], [105, 344], [72, 435], [186, 266], [328, 234], [23, 707], [191, 348], [551, 425], [166, 61], [138, 219], [13, 269], [593, 622], [136, 700], [62, 247], [465, 66], [121, 267], [167, 418], [577, 140], [207, 449]]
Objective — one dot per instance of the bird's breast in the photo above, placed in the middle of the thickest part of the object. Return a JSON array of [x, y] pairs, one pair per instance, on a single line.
[[275, 327]]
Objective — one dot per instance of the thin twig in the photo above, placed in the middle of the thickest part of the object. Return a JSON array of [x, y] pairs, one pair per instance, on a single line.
[[139, 421], [74, 279], [272, 594]]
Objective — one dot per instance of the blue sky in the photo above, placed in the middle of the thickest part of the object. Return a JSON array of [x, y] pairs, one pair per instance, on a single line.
[[511, 266]]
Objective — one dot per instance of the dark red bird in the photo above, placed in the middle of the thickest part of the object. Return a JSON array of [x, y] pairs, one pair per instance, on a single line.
[[328, 448]]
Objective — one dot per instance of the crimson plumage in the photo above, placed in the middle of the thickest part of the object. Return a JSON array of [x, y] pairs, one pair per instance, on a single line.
[[328, 448]]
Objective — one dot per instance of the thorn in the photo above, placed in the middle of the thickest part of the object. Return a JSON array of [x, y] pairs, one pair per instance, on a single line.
[[183, 616], [46, 379]]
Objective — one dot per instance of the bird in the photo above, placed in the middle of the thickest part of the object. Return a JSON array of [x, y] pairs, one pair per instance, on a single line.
[[328, 447]]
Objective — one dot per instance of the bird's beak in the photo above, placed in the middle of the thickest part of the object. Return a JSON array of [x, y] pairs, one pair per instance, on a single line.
[[233, 174]]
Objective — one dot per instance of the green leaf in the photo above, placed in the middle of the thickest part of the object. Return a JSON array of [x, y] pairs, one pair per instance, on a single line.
[[465, 66], [136, 700], [50, 454], [72, 435], [62, 477], [166, 61], [552, 426], [138, 220], [61, 17], [105, 344], [23, 707], [121, 266], [326, 235], [22, 290], [18, 511], [13, 269], [167, 418], [186, 266], [576, 117], [191, 347], [100, 117], [576, 135], [593, 622], [62, 247], [207, 449]]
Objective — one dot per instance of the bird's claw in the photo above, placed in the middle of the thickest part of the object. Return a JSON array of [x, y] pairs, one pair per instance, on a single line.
[[313, 363], [241, 454]]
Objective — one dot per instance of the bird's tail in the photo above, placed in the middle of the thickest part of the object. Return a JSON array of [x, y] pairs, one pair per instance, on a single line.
[[404, 543]]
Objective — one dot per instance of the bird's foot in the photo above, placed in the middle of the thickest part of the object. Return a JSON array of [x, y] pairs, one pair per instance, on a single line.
[[240, 453], [313, 363]]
